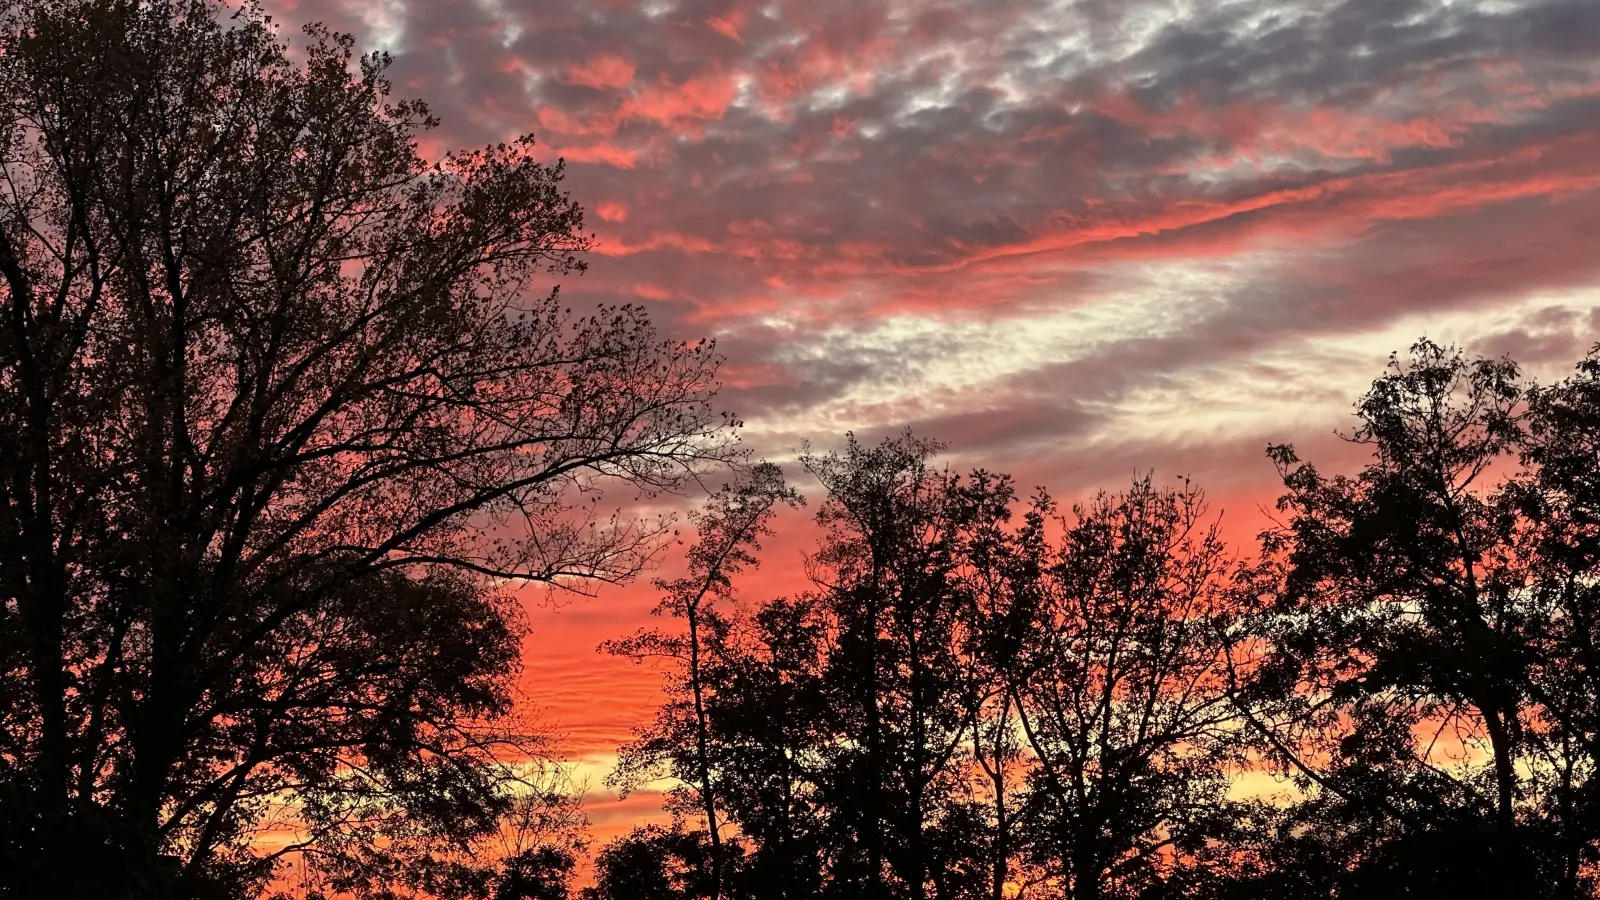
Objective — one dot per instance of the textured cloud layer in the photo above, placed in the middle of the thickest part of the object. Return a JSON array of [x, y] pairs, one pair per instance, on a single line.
[[1073, 238]]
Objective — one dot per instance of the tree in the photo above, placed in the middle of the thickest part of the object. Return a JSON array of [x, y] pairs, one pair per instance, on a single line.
[[1557, 497], [889, 579], [1121, 691], [1399, 621], [285, 407], [1004, 572], [654, 863], [542, 873], [730, 529], [773, 726]]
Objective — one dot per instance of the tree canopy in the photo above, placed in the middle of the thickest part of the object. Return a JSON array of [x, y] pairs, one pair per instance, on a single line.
[[289, 409]]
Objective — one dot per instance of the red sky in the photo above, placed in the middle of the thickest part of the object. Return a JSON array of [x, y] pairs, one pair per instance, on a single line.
[[1073, 238]]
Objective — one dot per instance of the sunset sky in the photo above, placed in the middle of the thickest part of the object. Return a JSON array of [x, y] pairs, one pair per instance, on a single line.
[[1073, 239]]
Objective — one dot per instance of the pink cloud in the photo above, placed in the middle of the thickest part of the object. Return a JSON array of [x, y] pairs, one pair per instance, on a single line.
[[728, 26], [602, 154], [604, 71], [704, 96], [651, 291]]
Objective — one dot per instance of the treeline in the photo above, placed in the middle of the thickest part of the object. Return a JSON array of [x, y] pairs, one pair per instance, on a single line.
[[977, 694]]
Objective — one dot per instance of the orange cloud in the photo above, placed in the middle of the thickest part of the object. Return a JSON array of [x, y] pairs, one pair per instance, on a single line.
[[728, 26], [602, 154], [704, 96], [651, 291], [604, 71]]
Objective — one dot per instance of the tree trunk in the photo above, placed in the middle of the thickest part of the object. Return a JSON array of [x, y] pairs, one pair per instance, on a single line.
[[707, 798], [1509, 861], [1002, 849]]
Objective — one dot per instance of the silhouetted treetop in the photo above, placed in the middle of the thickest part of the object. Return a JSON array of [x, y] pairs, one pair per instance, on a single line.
[[974, 695], [286, 405]]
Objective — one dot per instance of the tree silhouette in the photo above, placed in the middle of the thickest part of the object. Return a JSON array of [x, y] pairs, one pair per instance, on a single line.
[[1557, 499], [1122, 694], [889, 580], [961, 702], [542, 873], [1003, 570], [730, 529], [654, 863], [1421, 633], [285, 405]]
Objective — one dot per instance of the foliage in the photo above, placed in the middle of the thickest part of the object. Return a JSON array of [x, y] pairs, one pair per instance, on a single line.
[[1121, 692], [286, 407], [974, 696], [956, 706]]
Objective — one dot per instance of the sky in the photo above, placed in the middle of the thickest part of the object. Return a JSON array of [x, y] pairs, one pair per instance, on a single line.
[[1075, 239]]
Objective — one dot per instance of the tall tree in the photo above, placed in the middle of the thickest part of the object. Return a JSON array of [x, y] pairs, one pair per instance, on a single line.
[[1557, 499], [284, 404], [1396, 684], [1121, 691], [1004, 572], [887, 574], [680, 739]]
